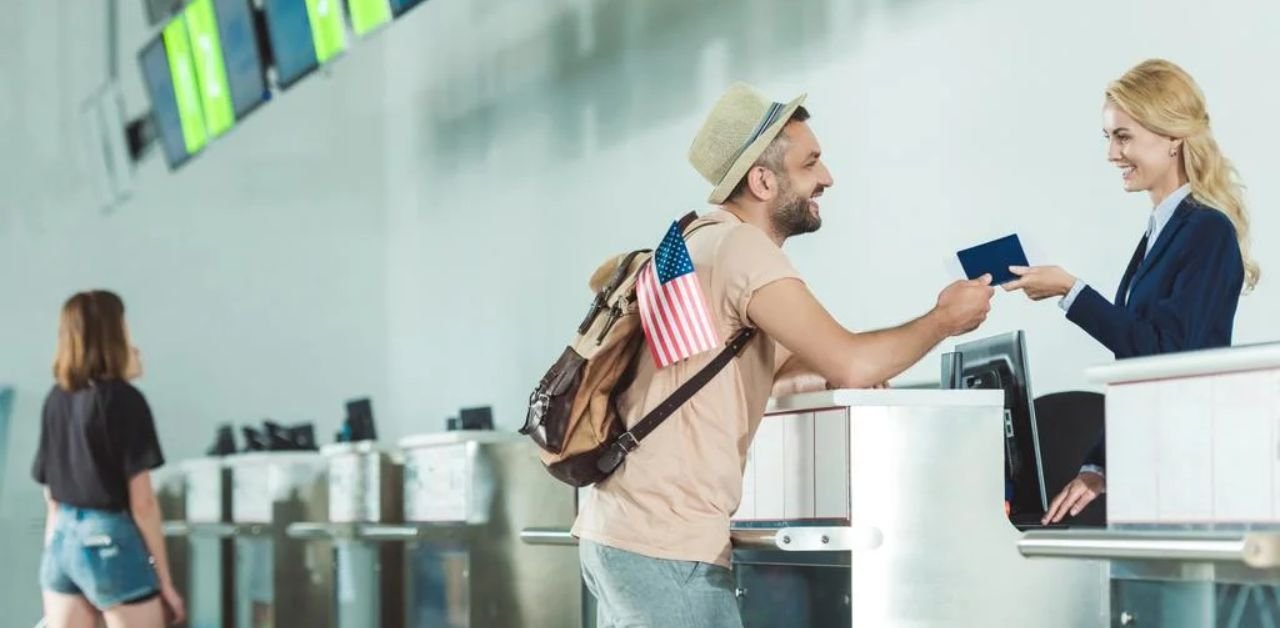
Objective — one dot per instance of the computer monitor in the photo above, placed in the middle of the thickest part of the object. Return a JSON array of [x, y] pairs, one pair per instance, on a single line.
[[359, 420], [1000, 363]]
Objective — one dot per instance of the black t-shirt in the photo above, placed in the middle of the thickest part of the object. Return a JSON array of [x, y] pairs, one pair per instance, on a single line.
[[92, 442]]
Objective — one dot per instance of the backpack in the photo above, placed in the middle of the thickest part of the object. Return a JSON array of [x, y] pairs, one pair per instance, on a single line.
[[573, 413]]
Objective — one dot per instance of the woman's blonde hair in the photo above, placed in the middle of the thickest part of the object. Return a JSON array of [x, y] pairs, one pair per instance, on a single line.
[[1164, 99], [92, 342]]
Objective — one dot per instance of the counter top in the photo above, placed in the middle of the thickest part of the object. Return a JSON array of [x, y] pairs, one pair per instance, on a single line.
[[432, 439], [358, 447], [864, 397], [280, 457], [1188, 364]]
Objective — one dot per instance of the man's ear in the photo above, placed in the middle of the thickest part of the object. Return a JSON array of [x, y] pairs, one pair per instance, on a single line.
[[762, 182]]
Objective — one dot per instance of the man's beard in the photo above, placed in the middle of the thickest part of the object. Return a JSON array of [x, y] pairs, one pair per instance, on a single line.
[[792, 216]]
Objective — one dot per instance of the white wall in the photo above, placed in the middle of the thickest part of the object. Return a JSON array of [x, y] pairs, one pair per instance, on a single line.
[[420, 223], [542, 146], [254, 278]]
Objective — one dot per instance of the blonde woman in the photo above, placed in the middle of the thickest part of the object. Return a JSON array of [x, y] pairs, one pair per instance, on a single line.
[[104, 554], [1180, 290]]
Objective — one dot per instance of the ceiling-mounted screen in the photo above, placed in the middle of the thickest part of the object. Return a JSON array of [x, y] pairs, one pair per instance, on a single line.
[[368, 15], [246, 72], [211, 71], [400, 6], [170, 78], [304, 34]]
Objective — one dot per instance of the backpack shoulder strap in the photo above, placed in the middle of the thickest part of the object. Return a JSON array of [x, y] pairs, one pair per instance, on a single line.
[[629, 440]]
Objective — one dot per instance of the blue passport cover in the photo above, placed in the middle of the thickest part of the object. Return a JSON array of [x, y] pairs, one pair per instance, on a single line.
[[994, 257]]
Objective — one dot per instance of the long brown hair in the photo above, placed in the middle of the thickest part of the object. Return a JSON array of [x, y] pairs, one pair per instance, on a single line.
[[92, 342], [1165, 99]]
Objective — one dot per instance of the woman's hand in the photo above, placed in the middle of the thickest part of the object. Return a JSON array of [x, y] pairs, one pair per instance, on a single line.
[[1041, 282], [1075, 496], [175, 610]]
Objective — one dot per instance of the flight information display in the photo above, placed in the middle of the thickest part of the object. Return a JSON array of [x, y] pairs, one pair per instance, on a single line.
[[368, 15], [170, 78], [304, 34]]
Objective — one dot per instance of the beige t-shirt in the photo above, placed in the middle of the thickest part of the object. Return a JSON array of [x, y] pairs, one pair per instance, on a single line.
[[673, 496]]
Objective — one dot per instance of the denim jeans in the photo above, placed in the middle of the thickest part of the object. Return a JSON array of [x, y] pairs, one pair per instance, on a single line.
[[634, 591]]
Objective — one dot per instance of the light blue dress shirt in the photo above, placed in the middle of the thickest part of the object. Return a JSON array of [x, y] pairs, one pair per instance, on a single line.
[[1155, 224]]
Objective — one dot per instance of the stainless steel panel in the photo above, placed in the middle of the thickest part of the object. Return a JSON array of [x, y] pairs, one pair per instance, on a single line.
[[209, 601], [206, 548], [278, 488], [364, 483], [368, 572], [929, 477], [1140, 603], [924, 538], [208, 498], [466, 566], [280, 581]]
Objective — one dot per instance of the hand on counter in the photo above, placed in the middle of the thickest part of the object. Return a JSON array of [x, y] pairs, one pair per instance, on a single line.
[[1077, 494], [1040, 282]]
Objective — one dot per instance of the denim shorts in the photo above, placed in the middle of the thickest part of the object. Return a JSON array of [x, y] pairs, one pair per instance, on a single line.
[[99, 555]]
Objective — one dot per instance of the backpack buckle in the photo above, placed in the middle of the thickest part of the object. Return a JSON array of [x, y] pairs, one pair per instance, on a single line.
[[627, 441], [539, 402], [617, 452]]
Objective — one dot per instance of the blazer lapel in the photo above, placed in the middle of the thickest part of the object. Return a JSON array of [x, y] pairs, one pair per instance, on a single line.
[[1122, 294], [1161, 244]]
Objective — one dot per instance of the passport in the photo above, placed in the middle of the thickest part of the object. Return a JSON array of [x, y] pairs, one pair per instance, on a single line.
[[994, 258]]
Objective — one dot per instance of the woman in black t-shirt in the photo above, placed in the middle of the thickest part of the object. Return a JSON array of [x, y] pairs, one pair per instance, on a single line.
[[104, 553]]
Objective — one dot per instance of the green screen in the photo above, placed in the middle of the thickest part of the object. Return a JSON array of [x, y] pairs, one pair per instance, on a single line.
[[206, 48], [327, 28], [185, 90], [367, 15]]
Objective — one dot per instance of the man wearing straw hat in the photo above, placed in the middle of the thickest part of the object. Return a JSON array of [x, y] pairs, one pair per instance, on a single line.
[[654, 537]]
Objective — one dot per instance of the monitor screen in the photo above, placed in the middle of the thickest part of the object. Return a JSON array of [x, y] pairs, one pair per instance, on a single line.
[[211, 71], [1000, 363], [304, 34], [246, 74], [400, 6], [368, 15], [175, 104]]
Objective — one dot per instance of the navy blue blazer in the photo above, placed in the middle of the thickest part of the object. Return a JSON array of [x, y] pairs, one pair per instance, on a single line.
[[1184, 293]]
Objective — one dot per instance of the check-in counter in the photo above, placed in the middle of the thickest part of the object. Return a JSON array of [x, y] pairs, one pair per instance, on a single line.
[[280, 580], [196, 501], [1193, 535], [873, 508], [886, 509], [364, 490], [467, 497]]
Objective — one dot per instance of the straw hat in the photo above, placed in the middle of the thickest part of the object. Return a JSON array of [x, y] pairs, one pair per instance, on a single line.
[[736, 132]]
